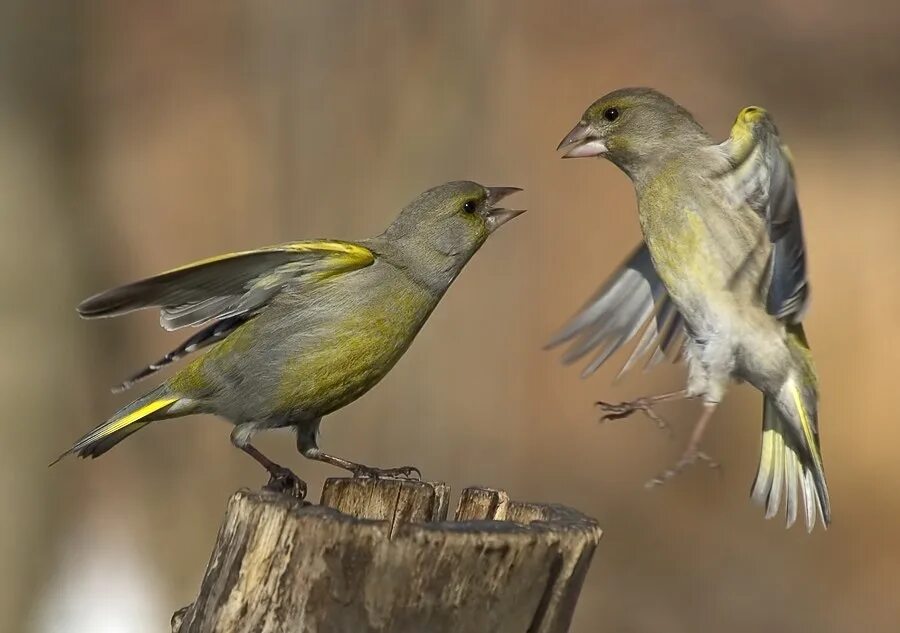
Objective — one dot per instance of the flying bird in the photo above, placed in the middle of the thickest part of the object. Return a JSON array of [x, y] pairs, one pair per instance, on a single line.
[[720, 281]]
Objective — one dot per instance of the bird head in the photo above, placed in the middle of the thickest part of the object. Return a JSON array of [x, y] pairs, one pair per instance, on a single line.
[[453, 219], [633, 128]]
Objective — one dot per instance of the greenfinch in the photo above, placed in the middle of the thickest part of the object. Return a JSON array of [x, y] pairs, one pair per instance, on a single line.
[[299, 330], [719, 281]]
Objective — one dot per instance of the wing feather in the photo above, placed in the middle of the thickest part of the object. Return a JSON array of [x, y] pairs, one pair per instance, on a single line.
[[761, 174], [204, 338], [633, 298], [657, 338], [226, 285], [223, 292]]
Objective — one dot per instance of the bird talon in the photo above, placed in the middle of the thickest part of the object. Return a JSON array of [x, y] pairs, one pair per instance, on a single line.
[[623, 410], [618, 411], [283, 481], [364, 472], [689, 458], [410, 473]]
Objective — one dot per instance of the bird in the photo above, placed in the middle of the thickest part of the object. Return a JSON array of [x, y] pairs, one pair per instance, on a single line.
[[719, 281], [299, 330]]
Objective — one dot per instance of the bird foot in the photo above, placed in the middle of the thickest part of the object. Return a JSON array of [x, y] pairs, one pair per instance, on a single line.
[[283, 481], [404, 472], [690, 457], [623, 410]]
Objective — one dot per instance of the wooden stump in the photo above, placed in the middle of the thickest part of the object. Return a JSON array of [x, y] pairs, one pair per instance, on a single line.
[[380, 556]]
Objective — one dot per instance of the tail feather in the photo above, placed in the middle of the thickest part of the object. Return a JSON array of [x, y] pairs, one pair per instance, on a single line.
[[156, 405], [790, 462], [792, 473], [100, 446], [788, 469]]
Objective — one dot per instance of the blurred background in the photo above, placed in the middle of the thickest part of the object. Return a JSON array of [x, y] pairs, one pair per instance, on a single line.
[[138, 136]]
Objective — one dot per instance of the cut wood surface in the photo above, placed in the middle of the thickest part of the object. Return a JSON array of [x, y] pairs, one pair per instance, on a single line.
[[380, 556]]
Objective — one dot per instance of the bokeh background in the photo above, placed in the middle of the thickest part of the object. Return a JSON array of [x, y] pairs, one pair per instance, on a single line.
[[136, 136]]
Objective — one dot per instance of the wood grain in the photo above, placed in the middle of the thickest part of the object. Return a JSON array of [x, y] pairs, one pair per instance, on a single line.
[[379, 556]]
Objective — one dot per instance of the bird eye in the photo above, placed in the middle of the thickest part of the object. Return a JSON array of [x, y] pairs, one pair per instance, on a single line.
[[469, 206], [611, 114]]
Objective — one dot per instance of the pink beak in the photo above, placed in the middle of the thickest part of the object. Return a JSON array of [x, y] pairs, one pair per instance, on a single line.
[[581, 143]]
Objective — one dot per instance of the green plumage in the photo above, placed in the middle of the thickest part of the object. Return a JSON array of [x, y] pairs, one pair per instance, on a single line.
[[722, 229], [299, 330]]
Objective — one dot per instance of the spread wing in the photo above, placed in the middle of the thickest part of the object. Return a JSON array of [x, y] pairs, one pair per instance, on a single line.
[[634, 297], [223, 292], [761, 175]]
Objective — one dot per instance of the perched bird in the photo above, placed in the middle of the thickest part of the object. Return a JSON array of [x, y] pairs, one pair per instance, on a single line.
[[720, 280], [299, 330]]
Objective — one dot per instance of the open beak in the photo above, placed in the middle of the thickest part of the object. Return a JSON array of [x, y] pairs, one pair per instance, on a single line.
[[581, 143], [497, 216]]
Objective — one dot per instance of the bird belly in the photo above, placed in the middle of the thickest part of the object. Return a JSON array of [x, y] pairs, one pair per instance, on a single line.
[[711, 359], [731, 336], [350, 356], [728, 342]]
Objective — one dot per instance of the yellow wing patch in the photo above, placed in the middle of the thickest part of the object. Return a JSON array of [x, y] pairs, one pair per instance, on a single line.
[[751, 115], [345, 255], [742, 131]]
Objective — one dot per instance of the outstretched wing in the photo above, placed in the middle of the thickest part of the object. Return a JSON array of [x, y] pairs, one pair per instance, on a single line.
[[227, 285], [223, 292], [761, 176], [634, 297]]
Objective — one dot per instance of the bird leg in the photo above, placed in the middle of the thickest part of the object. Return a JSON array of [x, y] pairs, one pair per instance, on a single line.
[[307, 444], [281, 479], [625, 409], [361, 470], [692, 453]]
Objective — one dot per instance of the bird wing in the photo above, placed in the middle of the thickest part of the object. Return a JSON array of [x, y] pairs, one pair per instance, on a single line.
[[634, 297], [223, 292], [761, 175]]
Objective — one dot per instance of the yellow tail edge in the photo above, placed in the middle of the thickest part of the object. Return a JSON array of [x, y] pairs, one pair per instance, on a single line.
[[123, 423]]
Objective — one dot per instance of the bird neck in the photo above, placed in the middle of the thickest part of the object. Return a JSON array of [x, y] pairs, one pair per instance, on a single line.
[[422, 261], [644, 162]]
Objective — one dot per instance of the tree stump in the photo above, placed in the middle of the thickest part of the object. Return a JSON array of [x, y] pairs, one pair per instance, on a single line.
[[380, 556]]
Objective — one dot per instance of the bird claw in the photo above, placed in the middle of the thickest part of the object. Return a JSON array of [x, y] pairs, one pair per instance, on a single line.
[[690, 458], [620, 410], [283, 481], [623, 410], [410, 473]]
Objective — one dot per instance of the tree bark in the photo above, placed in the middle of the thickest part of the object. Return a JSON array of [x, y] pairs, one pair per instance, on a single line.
[[379, 555]]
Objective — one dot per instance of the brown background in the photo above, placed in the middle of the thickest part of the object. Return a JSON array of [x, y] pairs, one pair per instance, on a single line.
[[138, 136]]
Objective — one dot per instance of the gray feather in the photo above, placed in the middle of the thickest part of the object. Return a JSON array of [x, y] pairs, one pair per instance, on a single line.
[[632, 299], [204, 338], [180, 288], [669, 326], [792, 473], [762, 178], [809, 494], [787, 472], [194, 314]]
